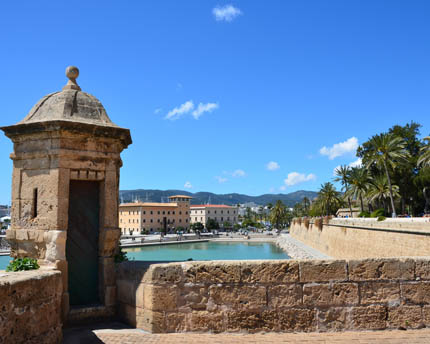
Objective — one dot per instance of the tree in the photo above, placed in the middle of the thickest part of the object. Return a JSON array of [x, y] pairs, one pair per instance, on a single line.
[[386, 151], [424, 158], [197, 226], [212, 224], [278, 214], [359, 183], [306, 204], [343, 176], [379, 190], [329, 198], [227, 225]]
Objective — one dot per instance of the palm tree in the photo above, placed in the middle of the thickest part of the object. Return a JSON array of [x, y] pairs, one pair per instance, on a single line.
[[359, 183], [329, 197], [387, 150], [343, 175], [278, 214], [379, 190], [424, 159], [306, 203]]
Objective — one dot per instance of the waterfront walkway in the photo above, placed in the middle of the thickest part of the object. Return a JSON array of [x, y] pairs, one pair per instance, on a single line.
[[132, 336]]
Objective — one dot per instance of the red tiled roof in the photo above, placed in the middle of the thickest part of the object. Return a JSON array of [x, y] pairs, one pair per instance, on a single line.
[[210, 206]]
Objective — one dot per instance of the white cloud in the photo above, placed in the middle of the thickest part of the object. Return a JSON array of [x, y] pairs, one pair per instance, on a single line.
[[355, 163], [294, 178], [239, 173], [221, 179], [202, 108], [227, 13], [341, 148], [177, 112], [283, 188], [188, 185], [272, 166]]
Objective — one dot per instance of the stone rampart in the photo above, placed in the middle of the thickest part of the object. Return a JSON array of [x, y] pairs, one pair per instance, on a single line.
[[363, 238], [282, 295], [30, 307]]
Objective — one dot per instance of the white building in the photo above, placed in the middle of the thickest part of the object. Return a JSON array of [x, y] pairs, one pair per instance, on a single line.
[[219, 212]]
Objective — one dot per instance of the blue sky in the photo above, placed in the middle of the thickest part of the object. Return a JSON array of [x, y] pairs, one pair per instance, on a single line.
[[253, 83]]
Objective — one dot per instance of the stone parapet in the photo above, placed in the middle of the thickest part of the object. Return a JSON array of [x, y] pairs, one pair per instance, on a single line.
[[30, 310], [282, 295], [365, 237]]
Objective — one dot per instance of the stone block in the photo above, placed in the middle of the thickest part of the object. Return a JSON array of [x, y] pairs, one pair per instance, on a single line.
[[333, 294], [269, 272], [415, 292], [194, 297], [159, 298], [251, 321], [369, 318], [296, 319], [126, 292], [333, 319], [405, 316], [323, 270], [216, 272], [164, 274], [285, 296], [10, 234], [107, 270], [381, 269], [127, 313], [108, 241], [62, 266], [21, 234], [422, 268], [110, 210], [110, 296], [203, 321], [55, 245], [175, 322], [250, 298], [426, 315], [380, 292], [151, 321]]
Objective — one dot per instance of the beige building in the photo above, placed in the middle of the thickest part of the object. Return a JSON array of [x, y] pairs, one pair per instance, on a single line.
[[154, 217], [219, 212]]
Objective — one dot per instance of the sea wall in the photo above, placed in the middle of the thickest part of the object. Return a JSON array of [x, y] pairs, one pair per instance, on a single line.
[[30, 307], [283, 295], [364, 237]]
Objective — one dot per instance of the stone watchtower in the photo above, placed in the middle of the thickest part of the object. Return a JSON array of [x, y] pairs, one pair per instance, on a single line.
[[65, 186]]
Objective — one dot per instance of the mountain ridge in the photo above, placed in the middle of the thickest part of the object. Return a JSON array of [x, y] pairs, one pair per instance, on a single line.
[[155, 195]]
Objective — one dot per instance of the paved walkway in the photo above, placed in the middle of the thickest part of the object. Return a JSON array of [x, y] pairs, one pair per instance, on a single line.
[[132, 336]]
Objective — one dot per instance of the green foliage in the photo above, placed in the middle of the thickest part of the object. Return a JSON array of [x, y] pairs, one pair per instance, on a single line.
[[22, 264], [381, 218], [121, 256], [279, 215], [236, 227], [197, 226], [227, 225], [364, 214], [377, 213], [212, 224]]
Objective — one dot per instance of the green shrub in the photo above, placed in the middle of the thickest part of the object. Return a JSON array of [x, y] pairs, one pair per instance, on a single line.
[[381, 218], [364, 214], [121, 256], [377, 213], [22, 264]]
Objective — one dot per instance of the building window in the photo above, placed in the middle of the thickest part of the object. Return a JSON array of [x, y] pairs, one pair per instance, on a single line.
[[158, 212], [186, 213], [144, 212], [164, 213], [173, 212], [180, 213], [215, 211], [151, 220], [144, 220], [222, 211], [186, 220], [180, 220], [201, 219], [222, 219], [152, 212]]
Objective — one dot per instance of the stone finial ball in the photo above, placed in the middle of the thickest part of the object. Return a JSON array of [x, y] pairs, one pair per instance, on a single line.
[[72, 72]]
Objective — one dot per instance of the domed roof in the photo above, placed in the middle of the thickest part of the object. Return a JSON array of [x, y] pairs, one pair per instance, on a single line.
[[70, 104]]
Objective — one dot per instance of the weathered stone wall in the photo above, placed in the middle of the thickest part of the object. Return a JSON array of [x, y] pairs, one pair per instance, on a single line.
[[307, 295], [30, 307], [362, 238]]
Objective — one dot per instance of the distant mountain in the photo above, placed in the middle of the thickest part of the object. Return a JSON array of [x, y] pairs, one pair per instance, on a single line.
[[207, 197]]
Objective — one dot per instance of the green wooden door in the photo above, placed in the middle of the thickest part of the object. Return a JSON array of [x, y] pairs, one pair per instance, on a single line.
[[82, 242]]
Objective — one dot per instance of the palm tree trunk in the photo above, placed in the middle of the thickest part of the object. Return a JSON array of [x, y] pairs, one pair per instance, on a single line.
[[391, 190], [361, 202], [350, 206]]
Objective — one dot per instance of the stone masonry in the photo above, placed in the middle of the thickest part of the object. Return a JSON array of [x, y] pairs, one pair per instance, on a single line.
[[285, 296]]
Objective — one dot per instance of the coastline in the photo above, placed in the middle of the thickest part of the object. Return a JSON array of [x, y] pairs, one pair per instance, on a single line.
[[297, 250]]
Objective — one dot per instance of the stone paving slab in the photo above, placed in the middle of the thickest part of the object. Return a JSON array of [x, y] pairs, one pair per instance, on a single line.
[[132, 336]]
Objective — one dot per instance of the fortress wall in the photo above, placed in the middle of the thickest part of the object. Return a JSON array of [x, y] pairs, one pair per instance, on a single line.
[[362, 238], [282, 295]]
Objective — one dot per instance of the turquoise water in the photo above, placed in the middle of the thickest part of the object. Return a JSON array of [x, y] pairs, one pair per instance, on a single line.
[[198, 251], [207, 251], [4, 261]]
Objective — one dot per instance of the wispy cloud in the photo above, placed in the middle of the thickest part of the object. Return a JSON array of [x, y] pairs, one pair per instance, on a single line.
[[202, 108], [226, 13], [187, 185], [157, 111], [177, 112], [238, 173], [188, 107], [272, 166], [221, 179], [341, 148], [282, 188], [294, 178]]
